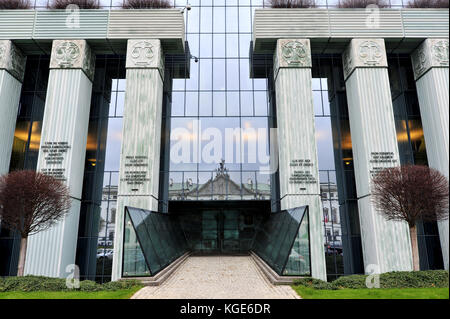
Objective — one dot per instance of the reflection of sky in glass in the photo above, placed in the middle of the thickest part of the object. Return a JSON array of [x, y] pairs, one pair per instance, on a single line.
[[220, 93]]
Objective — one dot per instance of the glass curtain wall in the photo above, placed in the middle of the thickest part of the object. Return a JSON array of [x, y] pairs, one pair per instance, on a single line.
[[412, 148], [219, 117], [342, 240], [27, 137], [99, 198]]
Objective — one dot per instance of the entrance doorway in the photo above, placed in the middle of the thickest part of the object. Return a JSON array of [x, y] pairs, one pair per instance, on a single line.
[[220, 227]]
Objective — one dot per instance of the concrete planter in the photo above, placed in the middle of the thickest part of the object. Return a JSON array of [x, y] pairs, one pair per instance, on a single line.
[[97, 24], [320, 25]]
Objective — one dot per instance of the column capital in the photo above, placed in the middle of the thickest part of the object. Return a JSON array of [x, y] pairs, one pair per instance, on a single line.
[[73, 54], [432, 53], [292, 53], [364, 53], [145, 54], [12, 59]]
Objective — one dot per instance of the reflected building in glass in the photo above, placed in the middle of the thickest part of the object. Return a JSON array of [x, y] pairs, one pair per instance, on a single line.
[[192, 144]]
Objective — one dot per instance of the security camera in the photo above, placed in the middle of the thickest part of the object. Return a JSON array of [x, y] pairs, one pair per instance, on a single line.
[[195, 58], [188, 8]]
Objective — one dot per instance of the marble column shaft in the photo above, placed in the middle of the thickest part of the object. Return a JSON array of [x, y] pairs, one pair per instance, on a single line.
[[141, 136], [386, 244], [12, 69], [430, 63], [298, 161], [62, 151]]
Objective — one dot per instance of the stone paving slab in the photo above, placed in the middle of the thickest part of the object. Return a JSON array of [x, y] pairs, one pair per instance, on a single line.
[[217, 277]]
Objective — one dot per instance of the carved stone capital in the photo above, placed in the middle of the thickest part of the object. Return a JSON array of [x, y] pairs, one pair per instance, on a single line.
[[292, 53], [12, 59], [145, 54], [432, 53], [73, 54], [364, 53]]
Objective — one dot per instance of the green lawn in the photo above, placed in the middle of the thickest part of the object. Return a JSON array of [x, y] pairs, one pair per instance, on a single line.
[[117, 294], [404, 293]]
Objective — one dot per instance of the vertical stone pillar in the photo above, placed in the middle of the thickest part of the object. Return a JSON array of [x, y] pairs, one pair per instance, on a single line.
[[430, 63], [141, 136], [12, 69], [62, 151], [298, 163], [386, 244]]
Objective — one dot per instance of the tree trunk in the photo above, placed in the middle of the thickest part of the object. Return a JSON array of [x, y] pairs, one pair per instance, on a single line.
[[415, 247], [22, 256]]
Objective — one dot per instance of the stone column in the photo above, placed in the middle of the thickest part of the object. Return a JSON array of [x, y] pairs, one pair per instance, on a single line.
[[141, 136], [430, 63], [386, 244], [62, 151], [12, 69], [298, 163]]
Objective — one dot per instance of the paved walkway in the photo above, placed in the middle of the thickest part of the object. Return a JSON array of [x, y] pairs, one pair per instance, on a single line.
[[217, 277]]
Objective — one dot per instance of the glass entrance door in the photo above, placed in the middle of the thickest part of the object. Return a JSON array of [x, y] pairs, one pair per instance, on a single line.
[[229, 231], [220, 231], [220, 227]]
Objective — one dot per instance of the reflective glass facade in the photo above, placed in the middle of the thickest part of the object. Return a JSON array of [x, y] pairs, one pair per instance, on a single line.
[[219, 95], [411, 143]]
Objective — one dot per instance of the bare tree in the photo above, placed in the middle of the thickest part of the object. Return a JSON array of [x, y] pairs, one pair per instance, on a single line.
[[428, 4], [82, 4], [31, 202], [411, 193], [15, 4], [361, 3], [147, 4], [291, 3]]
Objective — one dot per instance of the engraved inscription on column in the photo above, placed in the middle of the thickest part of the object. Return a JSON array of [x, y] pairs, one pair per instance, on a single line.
[[381, 160], [136, 172], [301, 173], [54, 154]]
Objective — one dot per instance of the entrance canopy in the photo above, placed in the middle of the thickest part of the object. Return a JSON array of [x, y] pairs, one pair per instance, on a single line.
[[154, 240]]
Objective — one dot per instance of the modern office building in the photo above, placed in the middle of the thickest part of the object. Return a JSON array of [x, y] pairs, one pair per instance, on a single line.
[[229, 128]]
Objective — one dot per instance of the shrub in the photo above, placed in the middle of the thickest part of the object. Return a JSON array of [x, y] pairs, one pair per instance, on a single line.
[[400, 279], [39, 283], [361, 3], [15, 4], [351, 282], [32, 283], [313, 283], [291, 3], [147, 4], [121, 284], [428, 4], [88, 285], [82, 4]]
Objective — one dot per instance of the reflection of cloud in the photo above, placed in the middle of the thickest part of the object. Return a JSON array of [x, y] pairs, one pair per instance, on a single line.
[[322, 134]]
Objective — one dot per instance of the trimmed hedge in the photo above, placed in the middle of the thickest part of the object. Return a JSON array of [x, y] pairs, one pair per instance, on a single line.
[[400, 279], [39, 283]]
